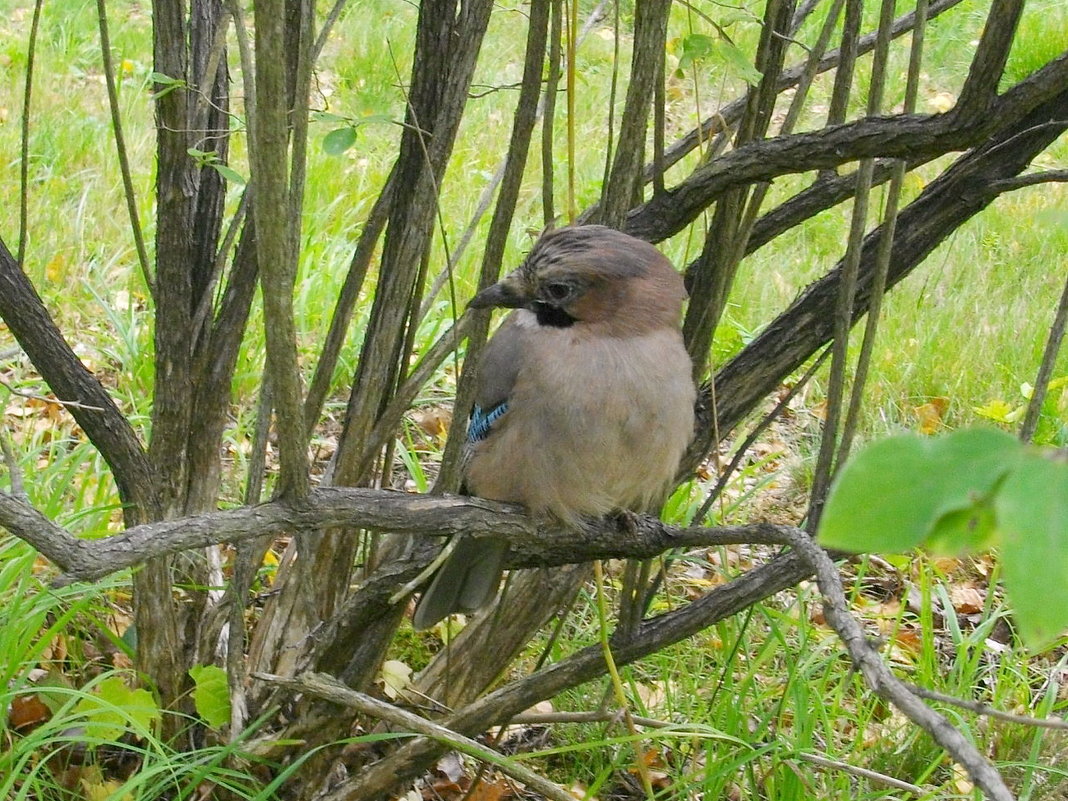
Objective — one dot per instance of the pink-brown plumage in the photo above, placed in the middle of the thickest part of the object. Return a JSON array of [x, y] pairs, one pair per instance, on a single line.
[[599, 395]]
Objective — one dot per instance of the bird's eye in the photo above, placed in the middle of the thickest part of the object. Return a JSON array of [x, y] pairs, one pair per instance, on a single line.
[[557, 291]]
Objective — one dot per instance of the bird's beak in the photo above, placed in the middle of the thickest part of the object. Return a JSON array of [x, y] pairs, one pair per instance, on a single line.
[[510, 292]]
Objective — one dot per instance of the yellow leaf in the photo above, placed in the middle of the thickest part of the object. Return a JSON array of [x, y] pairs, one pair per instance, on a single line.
[[996, 410], [395, 677], [56, 269], [942, 102], [930, 414]]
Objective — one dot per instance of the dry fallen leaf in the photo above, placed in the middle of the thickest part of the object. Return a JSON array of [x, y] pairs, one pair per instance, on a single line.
[[26, 712], [967, 600], [395, 677], [929, 415]]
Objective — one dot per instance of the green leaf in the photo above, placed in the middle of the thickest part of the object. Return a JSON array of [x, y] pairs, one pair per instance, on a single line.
[[113, 708], [738, 64], [229, 173], [339, 140], [1032, 512], [166, 80], [168, 83], [695, 47], [964, 531], [211, 694], [892, 494], [328, 116], [997, 410]]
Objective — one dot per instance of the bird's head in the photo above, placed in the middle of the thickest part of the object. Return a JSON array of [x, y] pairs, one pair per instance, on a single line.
[[591, 274]]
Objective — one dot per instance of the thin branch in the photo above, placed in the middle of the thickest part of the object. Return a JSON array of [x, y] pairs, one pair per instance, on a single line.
[[1030, 179], [120, 146], [863, 773], [758, 429], [1045, 369], [525, 117], [897, 178], [328, 688], [14, 472], [24, 144], [885, 684], [346, 303], [987, 711], [34, 396], [832, 452]]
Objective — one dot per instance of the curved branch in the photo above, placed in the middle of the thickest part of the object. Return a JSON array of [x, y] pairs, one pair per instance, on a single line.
[[585, 665], [963, 190], [534, 543], [330, 689], [89, 403], [902, 136], [880, 678]]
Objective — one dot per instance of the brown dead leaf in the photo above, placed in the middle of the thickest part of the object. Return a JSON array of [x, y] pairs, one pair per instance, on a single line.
[[433, 420], [491, 790], [445, 790], [27, 712], [967, 600], [930, 414], [908, 639]]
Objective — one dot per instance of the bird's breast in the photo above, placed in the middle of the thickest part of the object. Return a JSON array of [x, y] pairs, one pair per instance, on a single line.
[[594, 423]]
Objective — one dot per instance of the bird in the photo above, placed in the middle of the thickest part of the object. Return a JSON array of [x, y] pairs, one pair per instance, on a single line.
[[584, 400]]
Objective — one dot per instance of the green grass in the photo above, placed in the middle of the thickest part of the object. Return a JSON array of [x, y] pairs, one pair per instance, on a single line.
[[750, 694]]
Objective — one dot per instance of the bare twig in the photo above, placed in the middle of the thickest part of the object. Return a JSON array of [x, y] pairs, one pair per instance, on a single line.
[[14, 472], [1045, 369], [880, 678], [24, 145], [34, 396], [330, 689], [863, 773], [120, 146], [987, 711]]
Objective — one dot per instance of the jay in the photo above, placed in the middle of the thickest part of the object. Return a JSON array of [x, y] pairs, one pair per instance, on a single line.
[[584, 399]]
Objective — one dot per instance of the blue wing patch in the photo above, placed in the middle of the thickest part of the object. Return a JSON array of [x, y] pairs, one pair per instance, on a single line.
[[482, 421]]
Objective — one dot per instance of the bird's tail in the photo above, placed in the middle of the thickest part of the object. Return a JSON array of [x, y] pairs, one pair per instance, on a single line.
[[467, 581]]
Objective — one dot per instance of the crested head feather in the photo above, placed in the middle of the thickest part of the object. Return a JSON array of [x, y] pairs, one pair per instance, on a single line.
[[593, 250]]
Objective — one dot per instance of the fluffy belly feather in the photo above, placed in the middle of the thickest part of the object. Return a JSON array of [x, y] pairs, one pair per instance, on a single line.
[[593, 426]]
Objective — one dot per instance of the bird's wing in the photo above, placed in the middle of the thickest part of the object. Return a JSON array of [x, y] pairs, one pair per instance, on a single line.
[[500, 364]]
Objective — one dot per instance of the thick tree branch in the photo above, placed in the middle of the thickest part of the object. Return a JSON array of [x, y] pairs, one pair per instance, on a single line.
[[274, 245], [533, 543], [964, 189], [901, 136], [90, 404]]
